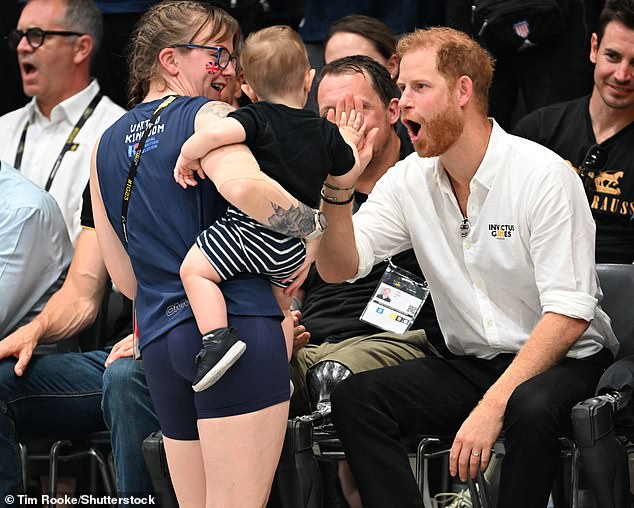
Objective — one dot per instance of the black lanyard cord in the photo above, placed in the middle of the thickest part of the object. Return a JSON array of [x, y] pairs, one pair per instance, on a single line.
[[69, 145], [127, 191]]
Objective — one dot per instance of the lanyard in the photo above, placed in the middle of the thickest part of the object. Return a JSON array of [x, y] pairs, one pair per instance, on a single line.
[[127, 191], [69, 145]]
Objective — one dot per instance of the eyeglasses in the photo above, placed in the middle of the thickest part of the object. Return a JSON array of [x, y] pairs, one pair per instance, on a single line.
[[222, 55], [35, 36], [594, 161]]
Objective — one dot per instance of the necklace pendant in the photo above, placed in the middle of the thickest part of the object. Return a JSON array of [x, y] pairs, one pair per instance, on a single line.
[[464, 228]]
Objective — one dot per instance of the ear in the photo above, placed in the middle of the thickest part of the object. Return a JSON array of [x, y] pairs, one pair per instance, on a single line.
[[308, 80], [250, 92], [464, 90], [83, 49], [393, 111], [594, 48], [168, 59], [392, 66]]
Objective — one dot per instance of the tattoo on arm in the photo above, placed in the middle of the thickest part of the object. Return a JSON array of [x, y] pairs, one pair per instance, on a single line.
[[216, 108], [297, 222]]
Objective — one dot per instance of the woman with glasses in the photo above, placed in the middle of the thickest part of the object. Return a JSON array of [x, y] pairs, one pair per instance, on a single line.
[[222, 444]]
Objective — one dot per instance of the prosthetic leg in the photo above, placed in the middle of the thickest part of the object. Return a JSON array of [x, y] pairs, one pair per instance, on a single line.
[[298, 477], [322, 379]]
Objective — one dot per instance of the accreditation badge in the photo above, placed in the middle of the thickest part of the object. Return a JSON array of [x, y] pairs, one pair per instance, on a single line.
[[397, 300]]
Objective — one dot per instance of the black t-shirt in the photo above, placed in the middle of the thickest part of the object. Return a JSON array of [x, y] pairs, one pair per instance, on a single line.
[[330, 312], [295, 147], [118, 322], [566, 129]]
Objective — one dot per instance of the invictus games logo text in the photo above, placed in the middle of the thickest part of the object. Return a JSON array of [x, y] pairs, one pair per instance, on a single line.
[[501, 231]]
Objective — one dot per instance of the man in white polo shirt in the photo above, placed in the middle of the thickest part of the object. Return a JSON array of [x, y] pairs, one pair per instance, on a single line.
[[50, 140], [503, 232]]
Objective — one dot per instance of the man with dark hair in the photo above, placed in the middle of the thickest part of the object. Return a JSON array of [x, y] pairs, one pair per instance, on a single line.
[[595, 133], [343, 338], [339, 341], [50, 140]]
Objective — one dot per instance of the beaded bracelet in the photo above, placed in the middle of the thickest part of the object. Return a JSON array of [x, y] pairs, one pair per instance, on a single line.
[[333, 201]]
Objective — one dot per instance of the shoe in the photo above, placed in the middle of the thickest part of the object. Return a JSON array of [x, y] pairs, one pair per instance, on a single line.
[[460, 499], [221, 349]]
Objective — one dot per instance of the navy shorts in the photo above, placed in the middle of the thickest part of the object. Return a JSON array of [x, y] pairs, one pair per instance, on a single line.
[[236, 243], [259, 379]]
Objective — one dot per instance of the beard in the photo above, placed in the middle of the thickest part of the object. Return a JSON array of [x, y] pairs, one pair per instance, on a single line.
[[442, 130]]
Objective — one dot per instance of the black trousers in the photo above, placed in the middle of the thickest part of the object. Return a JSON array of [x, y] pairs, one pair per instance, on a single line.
[[373, 410]]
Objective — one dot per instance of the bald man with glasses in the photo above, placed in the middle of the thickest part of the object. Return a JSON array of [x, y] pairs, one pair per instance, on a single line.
[[50, 139]]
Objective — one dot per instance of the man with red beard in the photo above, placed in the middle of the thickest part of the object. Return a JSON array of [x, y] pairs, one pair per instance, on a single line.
[[502, 231], [50, 140]]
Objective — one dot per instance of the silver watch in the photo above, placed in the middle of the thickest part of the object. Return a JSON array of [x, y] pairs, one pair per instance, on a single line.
[[321, 224]]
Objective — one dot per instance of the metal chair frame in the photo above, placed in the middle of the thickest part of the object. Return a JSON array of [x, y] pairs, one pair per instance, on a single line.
[[480, 496], [86, 340], [57, 454], [618, 310]]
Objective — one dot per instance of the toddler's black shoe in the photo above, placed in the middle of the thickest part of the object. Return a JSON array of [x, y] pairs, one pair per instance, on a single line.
[[221, 349]]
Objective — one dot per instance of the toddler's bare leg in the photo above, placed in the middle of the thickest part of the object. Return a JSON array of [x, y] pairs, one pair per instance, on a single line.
[[200, 280]]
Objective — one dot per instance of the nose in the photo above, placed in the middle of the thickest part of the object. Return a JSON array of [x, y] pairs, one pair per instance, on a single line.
[[623, 71], [230, 69], [23, 45], [404, 101]]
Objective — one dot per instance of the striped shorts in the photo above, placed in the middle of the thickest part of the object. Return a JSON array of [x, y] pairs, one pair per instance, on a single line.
[[236, 243]]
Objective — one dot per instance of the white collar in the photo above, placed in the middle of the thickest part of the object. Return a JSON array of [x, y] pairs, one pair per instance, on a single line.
[[70, 109]]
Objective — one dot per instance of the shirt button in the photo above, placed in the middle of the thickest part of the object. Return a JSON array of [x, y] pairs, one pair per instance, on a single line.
[[467, 244], [489, 323], [479, 285]]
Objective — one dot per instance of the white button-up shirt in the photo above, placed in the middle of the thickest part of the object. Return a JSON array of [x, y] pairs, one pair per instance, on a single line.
[[45, 139], [529, 250]]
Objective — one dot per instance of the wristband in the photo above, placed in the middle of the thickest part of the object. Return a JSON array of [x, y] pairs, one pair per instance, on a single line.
[[326, 184], [333, 201]]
